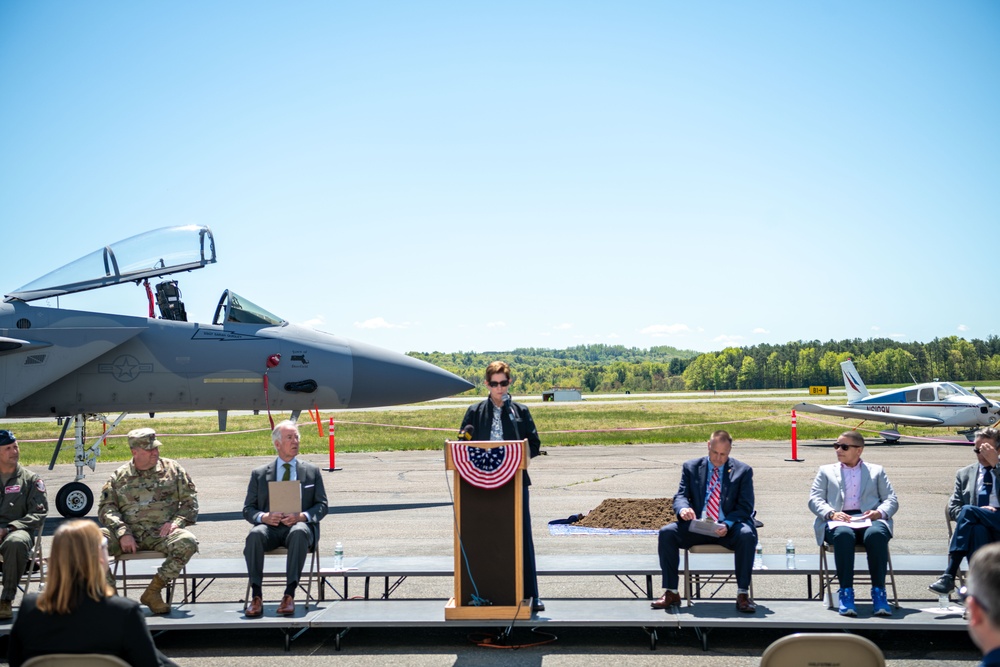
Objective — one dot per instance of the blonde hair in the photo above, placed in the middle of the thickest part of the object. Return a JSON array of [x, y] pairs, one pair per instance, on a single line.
[[75, 568]]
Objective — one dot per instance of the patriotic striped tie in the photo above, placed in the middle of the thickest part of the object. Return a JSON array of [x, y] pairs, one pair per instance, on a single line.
[[712, 509]]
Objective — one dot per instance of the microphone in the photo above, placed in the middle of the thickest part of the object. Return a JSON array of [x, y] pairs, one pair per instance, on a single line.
[[466, 433]]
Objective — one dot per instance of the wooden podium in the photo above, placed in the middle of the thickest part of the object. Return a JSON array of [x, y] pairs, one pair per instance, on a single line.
[[489, 545]]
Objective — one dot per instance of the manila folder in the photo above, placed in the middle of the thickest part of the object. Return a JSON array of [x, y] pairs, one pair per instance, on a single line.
[[284, 497]]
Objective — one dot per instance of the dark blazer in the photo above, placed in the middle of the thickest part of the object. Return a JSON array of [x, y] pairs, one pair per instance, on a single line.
[[516, 421], [965, 492], [313, 493], [115, 626], [737, 490]]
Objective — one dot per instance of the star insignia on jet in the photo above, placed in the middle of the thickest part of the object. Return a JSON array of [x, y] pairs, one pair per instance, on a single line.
[[125, 368]]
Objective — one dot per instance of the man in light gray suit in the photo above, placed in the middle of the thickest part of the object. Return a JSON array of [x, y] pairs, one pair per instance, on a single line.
[[973, 506], [852, 490], [298, 532]]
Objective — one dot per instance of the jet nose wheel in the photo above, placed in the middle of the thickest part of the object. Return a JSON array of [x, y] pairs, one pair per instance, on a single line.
[[74, 500]]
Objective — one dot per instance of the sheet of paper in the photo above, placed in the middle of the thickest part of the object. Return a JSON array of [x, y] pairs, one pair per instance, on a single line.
[[284, 497], [856, 523], [705, 527]]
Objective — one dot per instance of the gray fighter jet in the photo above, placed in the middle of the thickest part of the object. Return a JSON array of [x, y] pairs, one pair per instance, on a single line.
[[73, 364]]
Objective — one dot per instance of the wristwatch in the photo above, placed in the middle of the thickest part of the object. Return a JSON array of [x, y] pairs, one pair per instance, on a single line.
[[829, 515]]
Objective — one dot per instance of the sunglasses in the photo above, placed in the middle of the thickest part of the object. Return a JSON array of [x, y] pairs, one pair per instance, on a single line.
[[837, 445], [501, 383]]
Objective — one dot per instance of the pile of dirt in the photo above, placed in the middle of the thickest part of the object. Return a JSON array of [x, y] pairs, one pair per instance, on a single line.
[[631, 514]]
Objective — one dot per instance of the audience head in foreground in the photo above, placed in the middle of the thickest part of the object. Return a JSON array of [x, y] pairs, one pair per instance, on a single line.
[[78, 612]]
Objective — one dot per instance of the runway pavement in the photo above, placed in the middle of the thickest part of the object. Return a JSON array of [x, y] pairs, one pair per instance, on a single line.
[[399, 503]]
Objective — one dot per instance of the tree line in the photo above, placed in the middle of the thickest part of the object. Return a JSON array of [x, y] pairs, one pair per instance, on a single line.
[[615, 368]]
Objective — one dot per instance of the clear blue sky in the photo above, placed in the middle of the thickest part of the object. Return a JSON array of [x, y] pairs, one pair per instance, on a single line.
[[483, 176]]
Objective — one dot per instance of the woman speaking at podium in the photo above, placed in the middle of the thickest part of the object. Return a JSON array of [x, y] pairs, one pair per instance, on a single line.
[[499, 418]]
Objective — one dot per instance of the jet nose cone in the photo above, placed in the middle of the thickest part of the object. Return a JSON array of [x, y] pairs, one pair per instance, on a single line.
[[382, 377]]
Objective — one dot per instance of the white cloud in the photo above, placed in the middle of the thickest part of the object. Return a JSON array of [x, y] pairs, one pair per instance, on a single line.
[[874, 328], [496, 325], [726, 338], [315, 322], [563, 326], [380, 323], [613, 335], [657, 330], [897, 335], [962, 327], [761, 330]]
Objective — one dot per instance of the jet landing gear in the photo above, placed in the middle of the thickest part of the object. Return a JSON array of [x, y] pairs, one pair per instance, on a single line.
[[76, 499]]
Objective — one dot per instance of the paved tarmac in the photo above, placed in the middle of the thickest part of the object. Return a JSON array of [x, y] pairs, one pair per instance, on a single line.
[[399, 503]]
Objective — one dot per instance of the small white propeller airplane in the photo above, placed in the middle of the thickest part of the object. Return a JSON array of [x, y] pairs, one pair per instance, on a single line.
[[926, 404]]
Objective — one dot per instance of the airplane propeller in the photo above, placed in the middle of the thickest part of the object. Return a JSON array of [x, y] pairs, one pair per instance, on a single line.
[[986, 402]]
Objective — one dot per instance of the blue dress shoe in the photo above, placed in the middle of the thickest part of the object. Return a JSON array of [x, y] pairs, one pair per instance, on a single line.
[[846, 596]]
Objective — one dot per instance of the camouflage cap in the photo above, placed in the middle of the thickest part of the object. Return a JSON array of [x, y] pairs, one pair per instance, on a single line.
[[142, 438]]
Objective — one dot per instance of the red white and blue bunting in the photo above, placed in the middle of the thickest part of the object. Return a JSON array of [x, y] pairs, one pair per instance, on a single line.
[[487, 468]]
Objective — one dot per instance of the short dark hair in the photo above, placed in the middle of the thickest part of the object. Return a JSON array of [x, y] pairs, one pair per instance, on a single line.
[[856, 438], [990, 433]]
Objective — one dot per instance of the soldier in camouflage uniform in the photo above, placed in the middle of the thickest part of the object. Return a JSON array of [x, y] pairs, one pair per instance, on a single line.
[[146, 505], [23, 507]]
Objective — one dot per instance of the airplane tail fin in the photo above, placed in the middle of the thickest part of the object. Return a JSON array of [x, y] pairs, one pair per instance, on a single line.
[[856, 389]]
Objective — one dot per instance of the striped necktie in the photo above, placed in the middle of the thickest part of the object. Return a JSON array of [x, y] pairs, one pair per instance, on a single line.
[[715, 488]]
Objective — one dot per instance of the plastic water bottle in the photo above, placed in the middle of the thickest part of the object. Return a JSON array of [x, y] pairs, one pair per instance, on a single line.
[[789, 555], [338, 556], [758, 559]]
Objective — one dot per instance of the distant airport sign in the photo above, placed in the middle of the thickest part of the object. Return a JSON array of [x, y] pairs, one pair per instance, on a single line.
[[819, 390]]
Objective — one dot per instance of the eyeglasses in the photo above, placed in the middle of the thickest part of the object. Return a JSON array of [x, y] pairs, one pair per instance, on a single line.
[[838, 445], [501, 383]]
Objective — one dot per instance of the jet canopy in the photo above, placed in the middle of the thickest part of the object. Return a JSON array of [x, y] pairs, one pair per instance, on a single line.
[[156, 253]]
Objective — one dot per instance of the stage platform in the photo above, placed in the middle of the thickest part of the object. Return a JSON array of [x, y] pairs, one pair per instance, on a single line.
[[639, 574], [702, 617]]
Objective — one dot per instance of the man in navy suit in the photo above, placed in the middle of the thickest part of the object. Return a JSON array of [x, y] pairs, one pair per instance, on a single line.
[[718, 487], [973, 506], [298, 532]]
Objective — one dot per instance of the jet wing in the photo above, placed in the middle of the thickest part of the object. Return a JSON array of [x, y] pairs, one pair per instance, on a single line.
[[38, 363], [855, 413]]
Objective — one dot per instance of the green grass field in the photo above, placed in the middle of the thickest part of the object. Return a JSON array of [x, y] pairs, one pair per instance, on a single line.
[[586, 423]]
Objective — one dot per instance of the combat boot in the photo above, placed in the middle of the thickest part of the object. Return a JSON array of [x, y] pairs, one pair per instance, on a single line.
[[152, 598], [6, 613]]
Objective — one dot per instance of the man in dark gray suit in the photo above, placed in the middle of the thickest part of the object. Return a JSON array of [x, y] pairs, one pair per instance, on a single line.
[[298, 532], [973, 506]]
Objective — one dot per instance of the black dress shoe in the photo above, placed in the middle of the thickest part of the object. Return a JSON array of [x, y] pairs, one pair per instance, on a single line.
[[537, 605], [668, 599], [944, 585]]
